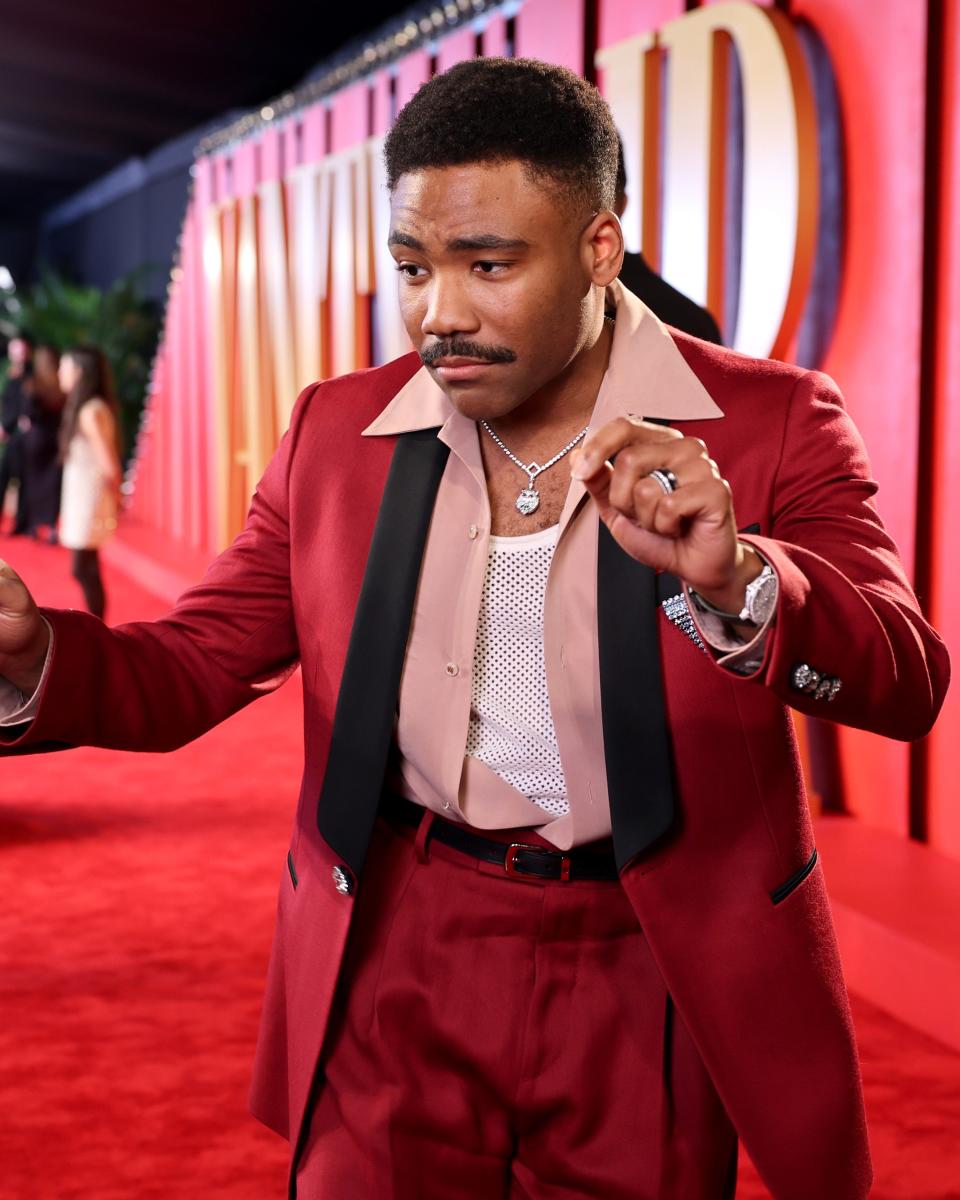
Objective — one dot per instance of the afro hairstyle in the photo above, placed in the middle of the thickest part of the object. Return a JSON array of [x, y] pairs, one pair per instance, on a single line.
[[495, 110]]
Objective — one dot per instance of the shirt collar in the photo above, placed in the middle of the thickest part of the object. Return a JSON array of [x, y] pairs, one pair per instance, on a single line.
[[647, 376]]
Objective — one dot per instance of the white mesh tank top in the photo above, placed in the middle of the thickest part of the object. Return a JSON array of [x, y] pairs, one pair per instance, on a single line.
[[511, 726]]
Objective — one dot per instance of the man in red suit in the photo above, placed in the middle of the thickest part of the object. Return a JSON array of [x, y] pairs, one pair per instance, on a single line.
[[551, 788]]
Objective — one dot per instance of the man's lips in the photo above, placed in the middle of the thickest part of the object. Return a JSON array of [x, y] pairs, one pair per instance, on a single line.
[[455, 368]]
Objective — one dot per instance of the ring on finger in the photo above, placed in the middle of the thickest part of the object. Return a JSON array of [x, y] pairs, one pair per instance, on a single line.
[[666, 479]]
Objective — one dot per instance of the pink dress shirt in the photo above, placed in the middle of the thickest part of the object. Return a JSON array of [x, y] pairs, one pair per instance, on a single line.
[[646, 375]]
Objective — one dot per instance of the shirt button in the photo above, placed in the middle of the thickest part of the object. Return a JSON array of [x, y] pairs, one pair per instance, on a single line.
[[446, 804], [472, 532], [452, 669]]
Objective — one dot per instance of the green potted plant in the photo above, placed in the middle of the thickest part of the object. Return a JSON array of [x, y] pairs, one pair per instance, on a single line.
[[122, 321]]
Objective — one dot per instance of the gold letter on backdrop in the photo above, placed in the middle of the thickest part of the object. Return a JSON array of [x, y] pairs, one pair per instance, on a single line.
[[309, 268], [254, 377], [625, 74], [350, 253], [779, 215], [279, 340], [390, 336]]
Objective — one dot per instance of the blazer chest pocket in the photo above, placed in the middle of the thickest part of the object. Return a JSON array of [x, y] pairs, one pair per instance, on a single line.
[[778, 895]]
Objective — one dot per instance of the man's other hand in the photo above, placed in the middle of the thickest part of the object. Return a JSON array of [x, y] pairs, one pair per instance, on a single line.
[[24, 636]]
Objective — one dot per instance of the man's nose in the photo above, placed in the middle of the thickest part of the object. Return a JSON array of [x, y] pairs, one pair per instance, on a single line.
[[449, 311]]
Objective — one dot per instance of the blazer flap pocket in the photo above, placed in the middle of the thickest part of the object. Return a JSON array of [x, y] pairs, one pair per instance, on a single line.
[[778, 895]]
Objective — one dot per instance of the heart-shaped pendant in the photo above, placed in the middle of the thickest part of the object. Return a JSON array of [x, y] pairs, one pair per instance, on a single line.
[[528, 501]]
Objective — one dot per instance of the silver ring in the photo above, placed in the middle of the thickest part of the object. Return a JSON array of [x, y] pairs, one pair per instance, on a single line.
[[666, 479]]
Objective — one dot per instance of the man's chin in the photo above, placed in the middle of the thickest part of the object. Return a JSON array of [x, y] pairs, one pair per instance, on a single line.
[[479, 398], [480, 404]]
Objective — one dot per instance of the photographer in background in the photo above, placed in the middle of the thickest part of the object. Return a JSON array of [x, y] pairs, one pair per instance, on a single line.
[[41, 468], [15, 423]]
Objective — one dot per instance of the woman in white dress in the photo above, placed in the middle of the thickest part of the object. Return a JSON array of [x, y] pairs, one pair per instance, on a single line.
[[92, 472]]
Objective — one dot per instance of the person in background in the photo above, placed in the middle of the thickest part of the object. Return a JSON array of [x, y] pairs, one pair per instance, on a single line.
[[671, 306], [41, 468], [14, 423], [92, 472]]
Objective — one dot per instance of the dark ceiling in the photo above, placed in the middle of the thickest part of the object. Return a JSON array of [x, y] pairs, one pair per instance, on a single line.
[[86, 85]]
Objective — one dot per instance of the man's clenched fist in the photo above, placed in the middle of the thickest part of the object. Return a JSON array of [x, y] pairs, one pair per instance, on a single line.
[[690, 530]]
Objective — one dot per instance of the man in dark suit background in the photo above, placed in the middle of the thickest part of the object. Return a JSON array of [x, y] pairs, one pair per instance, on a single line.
[[671, 306]]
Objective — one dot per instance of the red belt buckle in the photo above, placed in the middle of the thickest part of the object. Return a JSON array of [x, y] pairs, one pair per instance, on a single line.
[[510, 862]]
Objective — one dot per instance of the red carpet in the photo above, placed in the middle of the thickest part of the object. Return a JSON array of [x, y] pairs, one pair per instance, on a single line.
[[138, 896]]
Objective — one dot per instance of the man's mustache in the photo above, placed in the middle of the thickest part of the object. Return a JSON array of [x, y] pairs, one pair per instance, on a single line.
[[460, 348]]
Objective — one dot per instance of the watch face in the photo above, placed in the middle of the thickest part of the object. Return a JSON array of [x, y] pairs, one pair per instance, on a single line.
[[763, 593]]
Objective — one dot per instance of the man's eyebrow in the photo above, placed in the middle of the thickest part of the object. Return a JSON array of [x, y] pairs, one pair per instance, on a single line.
[[397, 237], [487, 241], [476, 241]]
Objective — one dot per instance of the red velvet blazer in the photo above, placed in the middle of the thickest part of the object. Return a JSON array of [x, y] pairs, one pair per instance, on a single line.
[[723, 877]]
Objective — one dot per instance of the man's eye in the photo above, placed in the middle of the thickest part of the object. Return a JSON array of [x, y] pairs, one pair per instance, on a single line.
[[491, 268], [411, 270]]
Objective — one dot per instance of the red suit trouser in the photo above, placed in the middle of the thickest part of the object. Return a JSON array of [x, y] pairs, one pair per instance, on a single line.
[[496, 1038]]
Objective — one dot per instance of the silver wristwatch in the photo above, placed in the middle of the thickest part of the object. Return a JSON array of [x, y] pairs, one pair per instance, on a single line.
[[758, 600]]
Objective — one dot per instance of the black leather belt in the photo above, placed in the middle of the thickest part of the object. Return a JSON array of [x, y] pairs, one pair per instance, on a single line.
[[517, 859]]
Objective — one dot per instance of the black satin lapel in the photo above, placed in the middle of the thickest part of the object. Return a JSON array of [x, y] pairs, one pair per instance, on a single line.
[[635, 738], [367, 701], [667, 586]]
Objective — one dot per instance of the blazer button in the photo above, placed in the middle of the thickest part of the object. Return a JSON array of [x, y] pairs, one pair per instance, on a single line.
[[342, 880], [805, 679]]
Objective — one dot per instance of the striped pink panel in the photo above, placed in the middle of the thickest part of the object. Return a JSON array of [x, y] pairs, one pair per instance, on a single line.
[[381, 85], [203, 364], [246, 163], [350, 108], [618, 20], [412, 71], [271, 155], [456, 47], [495, 37], [315, 133], [552, 30]]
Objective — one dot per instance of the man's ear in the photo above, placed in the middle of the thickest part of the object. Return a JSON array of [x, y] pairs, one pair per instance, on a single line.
[[601, 247]]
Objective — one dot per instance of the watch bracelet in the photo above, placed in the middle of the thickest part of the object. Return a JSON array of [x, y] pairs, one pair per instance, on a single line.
[[705, 606]]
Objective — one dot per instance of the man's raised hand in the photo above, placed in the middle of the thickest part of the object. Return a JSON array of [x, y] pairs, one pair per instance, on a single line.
[[24, 636], [692, 531]]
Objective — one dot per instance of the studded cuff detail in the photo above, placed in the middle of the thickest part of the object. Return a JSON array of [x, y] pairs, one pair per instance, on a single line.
[[813, 683]]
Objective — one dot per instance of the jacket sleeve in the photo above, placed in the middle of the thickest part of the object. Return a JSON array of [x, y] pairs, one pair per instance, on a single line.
[[156, 685], [845, 611]]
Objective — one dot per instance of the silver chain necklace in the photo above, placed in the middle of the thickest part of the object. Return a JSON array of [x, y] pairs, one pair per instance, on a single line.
[[529, 499]]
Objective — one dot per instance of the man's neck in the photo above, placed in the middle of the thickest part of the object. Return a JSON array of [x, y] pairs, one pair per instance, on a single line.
[[563, 407]]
